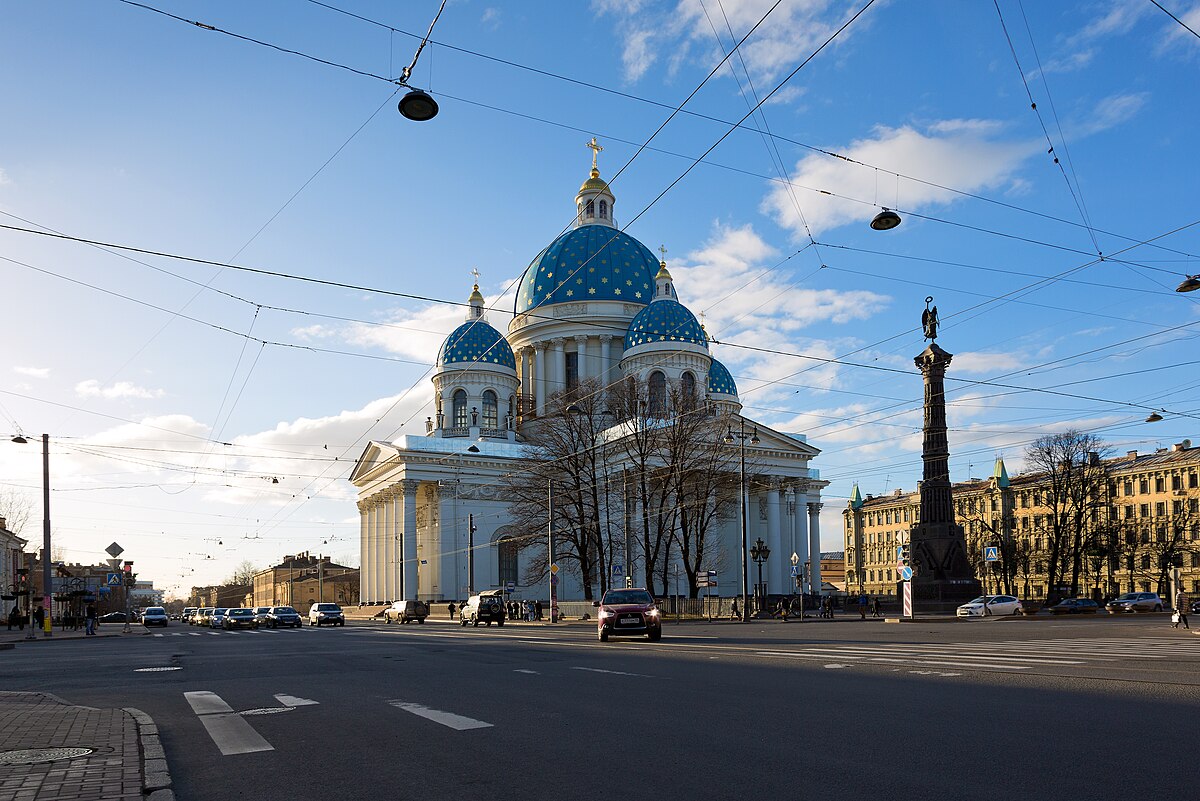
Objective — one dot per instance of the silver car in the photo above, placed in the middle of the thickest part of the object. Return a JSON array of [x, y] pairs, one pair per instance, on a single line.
[[154, 616], [1136, 602]]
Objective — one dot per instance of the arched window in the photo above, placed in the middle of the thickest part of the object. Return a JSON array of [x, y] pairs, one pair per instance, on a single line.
[[604, 209], [506, 550], [658, 393], [688, 383], [590, 209], [490, 413], [460, 408], [512, 409]]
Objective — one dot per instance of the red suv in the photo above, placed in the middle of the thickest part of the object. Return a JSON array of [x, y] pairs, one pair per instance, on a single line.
[[628, 613]]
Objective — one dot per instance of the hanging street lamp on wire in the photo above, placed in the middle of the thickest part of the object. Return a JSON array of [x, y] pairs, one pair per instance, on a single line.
[[418, 105], [1190, 284]]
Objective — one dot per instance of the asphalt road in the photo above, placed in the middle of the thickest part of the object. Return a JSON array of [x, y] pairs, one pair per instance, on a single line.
[[997, 709]]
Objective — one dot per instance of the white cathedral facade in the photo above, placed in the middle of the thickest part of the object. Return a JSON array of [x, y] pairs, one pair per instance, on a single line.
[[594, 304]]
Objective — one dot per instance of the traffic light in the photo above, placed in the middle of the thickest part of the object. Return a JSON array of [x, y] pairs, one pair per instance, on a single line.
[[22, 580], [903, 556]]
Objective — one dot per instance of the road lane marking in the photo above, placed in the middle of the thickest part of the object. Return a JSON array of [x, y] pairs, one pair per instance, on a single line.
[[868, 651], [613, 672], [447, 719], [530, 672], [291, 700], [228, 730]]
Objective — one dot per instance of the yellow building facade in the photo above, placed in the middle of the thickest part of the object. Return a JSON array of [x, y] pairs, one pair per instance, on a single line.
[[1142, 532]]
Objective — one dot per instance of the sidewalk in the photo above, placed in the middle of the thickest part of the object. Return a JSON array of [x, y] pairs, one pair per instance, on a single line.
[[18, 637], [51, 750]]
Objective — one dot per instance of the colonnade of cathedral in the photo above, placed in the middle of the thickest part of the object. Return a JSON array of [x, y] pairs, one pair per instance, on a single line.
[[542, 366], [792, 525]]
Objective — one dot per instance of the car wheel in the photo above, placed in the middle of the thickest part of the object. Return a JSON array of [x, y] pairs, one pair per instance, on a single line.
[[603, 635], [655, 636], [1158, 607], [420, 620], [1016, 611], [475, 622], [463, 622], [499, 622], [343, 623]]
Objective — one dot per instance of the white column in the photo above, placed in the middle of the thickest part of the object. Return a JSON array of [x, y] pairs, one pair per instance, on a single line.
[[385, 546], [364, 520], [408, 538], [801, 527], [378, 557], [814, 544], [774, 573], [605, 358], [448, 550], [526, 388], [394, 565], [539, 378], [582, 357], [559, 366]]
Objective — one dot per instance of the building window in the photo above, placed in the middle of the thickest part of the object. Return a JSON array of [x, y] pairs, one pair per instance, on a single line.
[[1145, 586], [688, 382], [1128, 488], [1144, 510], [1195, 559], [590, 209], [1176, 482], [1144, 486], [491, 413], [658, 394], [572, 370], [506, 550], [604, 209], [1160, 509], [1159, 484], [459, 407], [1192, 480]]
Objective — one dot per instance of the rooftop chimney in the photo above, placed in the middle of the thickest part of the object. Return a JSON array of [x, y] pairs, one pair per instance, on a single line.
[[3, 524], [1132, 454]]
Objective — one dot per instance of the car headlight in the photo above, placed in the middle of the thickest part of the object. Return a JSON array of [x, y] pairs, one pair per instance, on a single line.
[[606, 613], [652, 613]]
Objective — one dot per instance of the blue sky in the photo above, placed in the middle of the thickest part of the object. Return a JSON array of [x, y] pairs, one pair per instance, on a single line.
[[126, 126]]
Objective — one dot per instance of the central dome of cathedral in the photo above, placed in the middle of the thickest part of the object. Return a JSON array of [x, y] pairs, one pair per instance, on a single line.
[[591, 262]]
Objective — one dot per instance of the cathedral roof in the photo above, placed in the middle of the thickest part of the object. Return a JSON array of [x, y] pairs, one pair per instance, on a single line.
[[665, 321], [720, 382], [476, 341], [592, 262]]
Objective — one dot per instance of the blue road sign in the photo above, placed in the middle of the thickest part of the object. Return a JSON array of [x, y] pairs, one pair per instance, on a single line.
[[114, 580], [618, 569], [899, 553], [991, 553], [906, 573], [795, 570]]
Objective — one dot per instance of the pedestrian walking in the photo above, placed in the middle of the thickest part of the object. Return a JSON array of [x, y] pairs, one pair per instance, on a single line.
[[875, 608], [1181, 610], [784, 606], [733, 612], [537, 610], [829, 607], [89, 616], [39, 617], [862, 606], [14, 616], [451, 610]]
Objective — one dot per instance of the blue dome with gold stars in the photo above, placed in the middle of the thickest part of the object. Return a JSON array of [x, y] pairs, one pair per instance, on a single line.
[[720, 382], [665, 321], [592, 262], [476, 341]]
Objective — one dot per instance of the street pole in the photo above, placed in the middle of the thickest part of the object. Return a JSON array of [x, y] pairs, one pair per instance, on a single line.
[[550, 547], [742, 475], [47, 625], [625, 506], [320, 578], [470, 555]]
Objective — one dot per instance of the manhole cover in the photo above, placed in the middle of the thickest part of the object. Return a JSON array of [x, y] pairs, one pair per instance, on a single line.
[[155, 669], [35, 755], [269, 710]]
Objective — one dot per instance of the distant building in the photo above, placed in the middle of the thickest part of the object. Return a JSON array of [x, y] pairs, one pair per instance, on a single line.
[[12, 556], [286, 584]]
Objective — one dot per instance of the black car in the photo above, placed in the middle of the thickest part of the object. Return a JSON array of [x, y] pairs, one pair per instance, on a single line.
[[112, 617], [483, 608], [239, 619], [1075, 606], [1196, 607], [283, 616]]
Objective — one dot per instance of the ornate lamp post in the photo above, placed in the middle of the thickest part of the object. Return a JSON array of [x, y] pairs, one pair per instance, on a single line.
[[760, 553], [741, 438]]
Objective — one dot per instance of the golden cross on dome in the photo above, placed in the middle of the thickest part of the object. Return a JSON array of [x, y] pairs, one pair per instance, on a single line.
[[595, 151], [475, 272], [663, 250]]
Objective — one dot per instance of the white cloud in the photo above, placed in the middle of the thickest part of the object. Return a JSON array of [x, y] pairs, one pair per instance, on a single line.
[[1118, 20], [1176, 35], [4, 179], [1111, 112], [965, 154], [985, 362], [33, 372], [491, 17], [92, 388]]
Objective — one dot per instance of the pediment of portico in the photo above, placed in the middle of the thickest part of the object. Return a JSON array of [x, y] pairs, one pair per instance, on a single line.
[[374, 460]]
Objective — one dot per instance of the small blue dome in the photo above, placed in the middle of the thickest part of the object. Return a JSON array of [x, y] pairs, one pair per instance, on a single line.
[[592, 262], [720, 382], [476, 341], [665, 321]]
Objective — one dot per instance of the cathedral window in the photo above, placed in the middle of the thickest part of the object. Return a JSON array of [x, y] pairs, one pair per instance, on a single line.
[[688, 382], [506, 550], [590, 209], [460, 408], [490, 411], [658, 394], [572, 370], [604, 209]]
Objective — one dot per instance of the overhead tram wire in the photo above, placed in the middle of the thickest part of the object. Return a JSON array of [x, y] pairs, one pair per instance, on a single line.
[[1182, 24], [699, 115]]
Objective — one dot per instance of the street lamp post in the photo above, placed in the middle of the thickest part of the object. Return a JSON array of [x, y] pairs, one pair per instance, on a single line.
[[741, 438], [760, 553], [47, 625]]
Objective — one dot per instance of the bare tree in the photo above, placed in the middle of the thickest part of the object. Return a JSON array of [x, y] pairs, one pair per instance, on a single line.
[[1072, 481], [242, 574], [15, 507]]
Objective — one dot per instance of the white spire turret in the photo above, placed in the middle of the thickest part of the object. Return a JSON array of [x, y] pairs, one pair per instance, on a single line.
[[594, 202]]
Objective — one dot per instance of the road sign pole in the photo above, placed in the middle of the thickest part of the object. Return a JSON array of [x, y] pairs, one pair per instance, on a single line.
[[908, 612]]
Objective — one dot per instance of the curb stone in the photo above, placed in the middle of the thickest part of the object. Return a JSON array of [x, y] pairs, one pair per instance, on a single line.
[[156, 778]]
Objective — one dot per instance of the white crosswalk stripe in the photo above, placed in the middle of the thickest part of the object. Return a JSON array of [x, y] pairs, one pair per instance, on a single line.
[[1017, 655], [448, 719]]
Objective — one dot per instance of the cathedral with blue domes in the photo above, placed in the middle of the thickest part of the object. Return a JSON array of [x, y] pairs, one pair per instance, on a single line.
[[597, 307]]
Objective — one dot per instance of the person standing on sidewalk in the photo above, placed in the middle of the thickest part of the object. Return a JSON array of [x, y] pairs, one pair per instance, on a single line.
[[1181, 610], [451, 607], [39, 618], [89, 616], [875, 608], [862, 606]]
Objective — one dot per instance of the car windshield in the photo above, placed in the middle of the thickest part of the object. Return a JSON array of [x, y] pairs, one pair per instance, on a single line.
[[328, 608], [284, 610], [1129, 596], [628, 597], [980, 600], [155, 610], [241, 612], [220, 610]]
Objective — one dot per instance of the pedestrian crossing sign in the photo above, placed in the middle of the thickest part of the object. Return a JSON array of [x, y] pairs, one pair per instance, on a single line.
[[795, 571], [114, 580], [991, 553]]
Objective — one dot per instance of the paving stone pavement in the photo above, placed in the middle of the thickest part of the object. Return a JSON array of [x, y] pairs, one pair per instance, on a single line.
[[113, 771]]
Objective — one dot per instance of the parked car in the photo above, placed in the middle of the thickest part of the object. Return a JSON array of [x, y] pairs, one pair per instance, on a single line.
[[202, 616], [986, 605], [283, 616], [217, 618], [239, 619], [404, 611], [1075, 606], [628, 613], [321, 614], [112, 617], [1196, 607], [175, 616], [486, 607], [263, 615], [188, 612], [154, 616], [1136, 602]]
